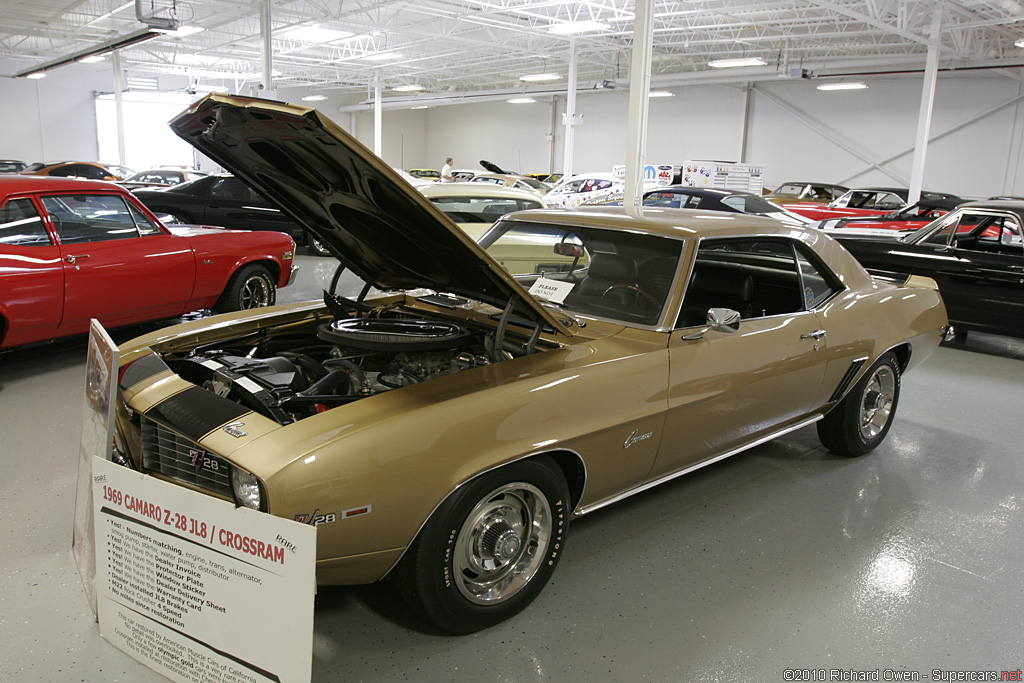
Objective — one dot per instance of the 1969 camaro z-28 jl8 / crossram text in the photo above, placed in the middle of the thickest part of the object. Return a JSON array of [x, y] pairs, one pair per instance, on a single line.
[[443, 430]]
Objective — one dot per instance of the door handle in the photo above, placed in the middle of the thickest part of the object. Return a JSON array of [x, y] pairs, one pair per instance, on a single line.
[[71, 258], [816, 335]]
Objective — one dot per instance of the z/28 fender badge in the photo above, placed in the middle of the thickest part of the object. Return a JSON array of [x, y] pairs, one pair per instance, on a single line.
[[234, 429]]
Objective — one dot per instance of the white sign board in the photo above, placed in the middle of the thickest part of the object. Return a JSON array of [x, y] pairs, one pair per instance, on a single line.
[[551, 290], [97, 419], [197, 589]]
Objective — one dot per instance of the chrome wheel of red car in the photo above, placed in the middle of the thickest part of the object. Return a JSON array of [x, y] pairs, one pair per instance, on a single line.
[[250, 287]]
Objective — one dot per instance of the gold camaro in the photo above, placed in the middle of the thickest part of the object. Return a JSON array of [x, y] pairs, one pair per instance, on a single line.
[[442, 428]]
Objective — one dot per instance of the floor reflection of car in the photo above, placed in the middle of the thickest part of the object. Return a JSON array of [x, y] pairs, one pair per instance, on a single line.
[[450, 425], [474, 207], [974, 253], [222, 200], [909, 218], [72, 250]]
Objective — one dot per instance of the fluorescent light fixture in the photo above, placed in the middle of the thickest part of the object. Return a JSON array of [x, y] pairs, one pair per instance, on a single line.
[[116, 43], [314, 98], [381, 56], [210, 88], [316, 34], [181, 31], [92, 59], [842, 86], [570, 27], [422, 106], [740, 61], [36, 76], [661, 93], [408, 88], [1019, 42], [533, 78], [521, 100]]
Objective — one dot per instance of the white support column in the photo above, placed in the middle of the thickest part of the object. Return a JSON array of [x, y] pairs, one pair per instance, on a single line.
[[745, 131], [377, 119], [639, 87], [924, 118], [118, 105], [570, 111], [266, 54]]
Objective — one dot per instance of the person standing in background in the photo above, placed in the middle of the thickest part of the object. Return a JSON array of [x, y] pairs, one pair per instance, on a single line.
[[446, 171]]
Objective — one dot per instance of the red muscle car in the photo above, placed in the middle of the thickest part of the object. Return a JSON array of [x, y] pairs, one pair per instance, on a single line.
[[71, 250]]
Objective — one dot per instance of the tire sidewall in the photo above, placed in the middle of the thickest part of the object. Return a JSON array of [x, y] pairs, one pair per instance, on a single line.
[[846, 425], [231, 299], [439, 596]]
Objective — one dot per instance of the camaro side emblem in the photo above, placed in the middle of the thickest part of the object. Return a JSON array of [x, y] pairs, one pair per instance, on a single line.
[[233, 428], [636, 436], [197, 458]]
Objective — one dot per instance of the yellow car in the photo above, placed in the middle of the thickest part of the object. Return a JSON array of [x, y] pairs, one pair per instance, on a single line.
[[444, 432]]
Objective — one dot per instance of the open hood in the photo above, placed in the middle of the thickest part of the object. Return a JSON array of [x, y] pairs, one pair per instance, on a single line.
[[379, 226]]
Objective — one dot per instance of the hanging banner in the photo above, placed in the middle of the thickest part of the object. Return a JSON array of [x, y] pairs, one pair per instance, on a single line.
[[197, 589]]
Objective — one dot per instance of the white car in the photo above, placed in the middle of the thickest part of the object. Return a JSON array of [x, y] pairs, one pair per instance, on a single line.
[[585, 188]]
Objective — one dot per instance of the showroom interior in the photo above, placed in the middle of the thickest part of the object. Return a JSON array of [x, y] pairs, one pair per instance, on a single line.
[[784, 562]]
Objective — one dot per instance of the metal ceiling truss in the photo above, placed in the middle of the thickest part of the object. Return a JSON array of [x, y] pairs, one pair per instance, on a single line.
[[484, 45]]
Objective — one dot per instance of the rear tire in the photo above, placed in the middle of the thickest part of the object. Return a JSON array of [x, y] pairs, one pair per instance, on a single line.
[[489, 549], [862, 419], [250, 287]]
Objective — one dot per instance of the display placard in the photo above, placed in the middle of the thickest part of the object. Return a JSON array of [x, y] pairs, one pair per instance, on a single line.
[[97, 421], [197, 589]]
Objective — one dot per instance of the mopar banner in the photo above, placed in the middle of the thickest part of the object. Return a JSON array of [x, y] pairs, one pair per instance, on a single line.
[[97, 418], [197, 589]]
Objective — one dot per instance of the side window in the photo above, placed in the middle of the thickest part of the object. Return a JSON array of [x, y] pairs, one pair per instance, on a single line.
[[888, 201], [999, 234], [229, 188], [940, 237], [20, 225], [755, 277], [69, 171], [90, 218]]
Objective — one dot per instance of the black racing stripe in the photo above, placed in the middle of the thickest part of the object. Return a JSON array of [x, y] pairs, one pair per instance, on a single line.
[[142, 369], [195, 412]]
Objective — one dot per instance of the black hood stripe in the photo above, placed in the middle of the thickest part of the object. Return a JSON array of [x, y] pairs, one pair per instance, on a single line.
[[141, 370], [196, 412]]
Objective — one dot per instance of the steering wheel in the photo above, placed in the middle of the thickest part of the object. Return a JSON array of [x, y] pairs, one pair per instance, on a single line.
[[636, 290]]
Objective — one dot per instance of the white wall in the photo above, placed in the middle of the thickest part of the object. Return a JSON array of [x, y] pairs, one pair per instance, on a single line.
[[827, 136]]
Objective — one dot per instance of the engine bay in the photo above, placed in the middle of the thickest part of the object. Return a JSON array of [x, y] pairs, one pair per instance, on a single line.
[[293, 376]]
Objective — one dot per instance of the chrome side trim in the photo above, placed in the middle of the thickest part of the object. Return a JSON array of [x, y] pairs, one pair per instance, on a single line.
[[686, 470], [478, 475]]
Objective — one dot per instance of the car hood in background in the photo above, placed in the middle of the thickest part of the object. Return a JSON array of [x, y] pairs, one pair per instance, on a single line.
[[344, 195]]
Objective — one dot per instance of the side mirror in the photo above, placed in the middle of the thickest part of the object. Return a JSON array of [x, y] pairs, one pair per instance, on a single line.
[[720, 319], [723, 319]]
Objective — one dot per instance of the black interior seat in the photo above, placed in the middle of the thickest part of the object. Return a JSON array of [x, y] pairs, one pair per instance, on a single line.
[[713, 287], [608, 270]]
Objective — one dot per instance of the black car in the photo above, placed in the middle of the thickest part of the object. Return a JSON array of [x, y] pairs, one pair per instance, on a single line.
[[976, 255], [712, 199], [12, 166], [222, 200]]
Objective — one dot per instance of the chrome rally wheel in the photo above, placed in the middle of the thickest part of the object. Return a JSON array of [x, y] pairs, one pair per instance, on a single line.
[[859, 422], [876, 408], [500, 547]]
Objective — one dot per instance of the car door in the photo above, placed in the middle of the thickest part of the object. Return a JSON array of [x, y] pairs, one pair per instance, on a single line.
[[119, 266], [31, 275], [728, 389], [231, 203]]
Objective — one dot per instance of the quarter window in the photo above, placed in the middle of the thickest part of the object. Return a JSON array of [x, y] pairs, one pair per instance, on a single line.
[[20, 225]]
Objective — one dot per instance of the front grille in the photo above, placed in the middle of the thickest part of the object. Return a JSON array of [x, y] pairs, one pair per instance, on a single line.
[[174, 456]]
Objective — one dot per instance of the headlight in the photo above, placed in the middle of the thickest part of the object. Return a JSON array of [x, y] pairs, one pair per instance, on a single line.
[[246, 487]]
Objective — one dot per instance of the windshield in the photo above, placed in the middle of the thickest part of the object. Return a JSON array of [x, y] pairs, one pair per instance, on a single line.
[[605, 273], [481, 209]]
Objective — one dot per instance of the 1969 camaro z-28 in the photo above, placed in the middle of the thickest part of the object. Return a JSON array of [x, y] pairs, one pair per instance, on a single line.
[[444, 430]]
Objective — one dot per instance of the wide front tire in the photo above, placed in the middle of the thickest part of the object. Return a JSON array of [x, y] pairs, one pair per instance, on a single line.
[[250, 287], [861, 420], [489, 549]]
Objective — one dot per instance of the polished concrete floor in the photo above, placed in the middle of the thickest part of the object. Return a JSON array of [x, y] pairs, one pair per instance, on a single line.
[[785, 557]]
